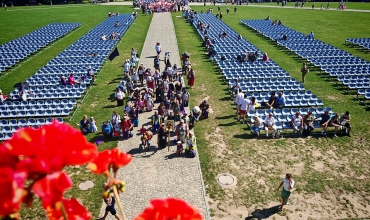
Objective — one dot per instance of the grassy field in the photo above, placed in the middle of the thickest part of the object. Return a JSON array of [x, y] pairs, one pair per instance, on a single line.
[[324, 169], [332, 175], [99, 101]]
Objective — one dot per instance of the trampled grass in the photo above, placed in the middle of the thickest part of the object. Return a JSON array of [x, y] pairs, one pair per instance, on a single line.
[[99, 101], [320, 165]]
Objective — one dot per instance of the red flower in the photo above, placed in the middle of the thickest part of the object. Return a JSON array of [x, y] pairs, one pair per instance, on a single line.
[[7, 159], [169, 209], [11, 190], [52, 187], [55, 145], [120, 159], [74, 210], [107, 158]]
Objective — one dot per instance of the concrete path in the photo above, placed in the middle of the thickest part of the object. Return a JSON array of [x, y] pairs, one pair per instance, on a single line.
[[159, 173]]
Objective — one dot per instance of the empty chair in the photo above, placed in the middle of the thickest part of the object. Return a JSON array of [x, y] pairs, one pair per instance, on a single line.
[[287, 125], [31, 113], [319, 102], [268, 111], [3, 122], [35, 127], [22, 122], [15, 128], [285, 111], [12, 122], [6, 129], [40, 121], [57, 112], [282, 118], [7, 136], [39, 113], [65, 112], [49, 120], [48, 112], [1, 136], [303, 111], [277, 112], [59, 119]]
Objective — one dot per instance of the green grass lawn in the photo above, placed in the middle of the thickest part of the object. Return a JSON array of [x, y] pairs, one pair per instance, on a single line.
[[99, 101], [227, 145]]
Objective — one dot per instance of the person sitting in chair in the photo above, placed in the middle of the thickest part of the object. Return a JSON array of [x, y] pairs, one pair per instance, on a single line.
[[297, 123], [308, 123], [270, 125], [344, 120], [325, 119]]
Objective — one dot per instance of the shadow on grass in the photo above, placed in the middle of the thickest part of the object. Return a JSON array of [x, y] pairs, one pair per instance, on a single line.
[[225, 117], [228, 124], [110, 106], [263, 213]]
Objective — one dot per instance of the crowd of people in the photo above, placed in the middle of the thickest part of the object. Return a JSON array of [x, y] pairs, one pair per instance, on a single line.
[[164, 93], [149, 7]]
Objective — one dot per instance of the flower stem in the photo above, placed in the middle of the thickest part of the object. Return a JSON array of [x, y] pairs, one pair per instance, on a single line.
[[119, 202], [64, 212]]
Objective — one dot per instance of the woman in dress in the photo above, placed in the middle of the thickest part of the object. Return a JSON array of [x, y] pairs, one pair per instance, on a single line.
[[191, 78], [252, 104], [92, 127], [162, 137]]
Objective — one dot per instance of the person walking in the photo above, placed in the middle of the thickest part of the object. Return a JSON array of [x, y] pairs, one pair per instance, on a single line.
[[110, 201], [304, 71], [288, 188]]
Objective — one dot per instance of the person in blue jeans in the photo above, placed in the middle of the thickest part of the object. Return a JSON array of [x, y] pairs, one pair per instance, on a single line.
[[325, 119], [257, 126]]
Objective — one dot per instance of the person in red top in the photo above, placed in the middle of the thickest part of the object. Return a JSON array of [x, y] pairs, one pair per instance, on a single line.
[[126, 126], [3, 97]]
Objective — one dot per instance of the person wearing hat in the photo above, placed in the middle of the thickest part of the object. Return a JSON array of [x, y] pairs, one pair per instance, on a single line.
[[181, 131], [156, 121], [257, 125], [270, 125], [191, 142], [325, 119], [180, 148], [297, 123], [204, 106], [162, 137]]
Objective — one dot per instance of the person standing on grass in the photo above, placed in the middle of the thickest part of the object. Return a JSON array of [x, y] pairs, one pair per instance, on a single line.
[[243, 108], [288, 188], [238, 100], [304, 71]]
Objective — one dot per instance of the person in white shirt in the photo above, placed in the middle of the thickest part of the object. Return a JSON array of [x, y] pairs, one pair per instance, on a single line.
[[238, 100], [235, 87], [243, 108], [288, 188], [115, 117], [297, 123], [119, 96], [126, 66], [270, 125], [103, 37], [158, 48], [257, 126]]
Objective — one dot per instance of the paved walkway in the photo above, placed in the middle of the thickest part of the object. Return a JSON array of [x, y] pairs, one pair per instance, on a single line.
[[159, 173]]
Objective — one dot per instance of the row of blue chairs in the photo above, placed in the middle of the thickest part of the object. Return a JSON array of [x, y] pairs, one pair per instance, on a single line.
[[362, 42], [47, 98], [18, 49], [257, 78], [328, 58]]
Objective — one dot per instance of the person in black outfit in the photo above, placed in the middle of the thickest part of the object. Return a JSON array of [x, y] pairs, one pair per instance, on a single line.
[[157, 62], [162, 137]]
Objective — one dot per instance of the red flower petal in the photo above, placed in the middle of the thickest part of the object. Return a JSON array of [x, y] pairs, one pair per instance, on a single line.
[[52, 187], [170, 208], [58, 145], [74, 209], [11, 190], [101, 164], [120, 159], [6, 158], [107, 158]]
